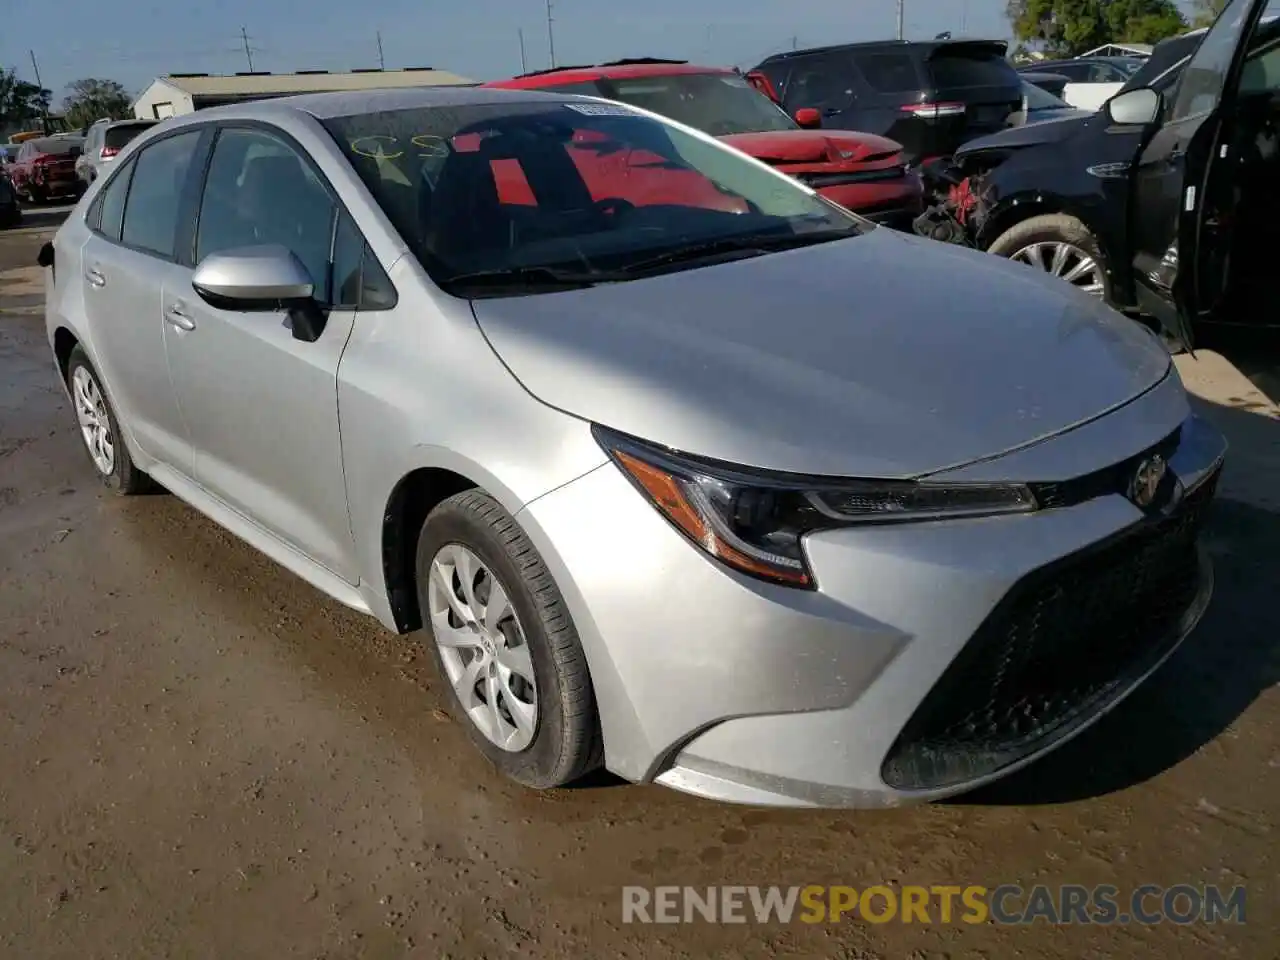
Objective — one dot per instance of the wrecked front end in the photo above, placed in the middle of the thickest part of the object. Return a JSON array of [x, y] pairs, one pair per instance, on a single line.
[[958, 200]]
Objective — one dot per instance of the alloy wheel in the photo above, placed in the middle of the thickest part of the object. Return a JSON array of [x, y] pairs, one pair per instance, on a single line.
[[95, 422], [483, 647], [1059, 259]]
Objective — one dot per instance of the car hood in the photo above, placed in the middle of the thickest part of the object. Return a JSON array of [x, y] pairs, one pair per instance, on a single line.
[[1029, 135], [882, 355], [813, 146]]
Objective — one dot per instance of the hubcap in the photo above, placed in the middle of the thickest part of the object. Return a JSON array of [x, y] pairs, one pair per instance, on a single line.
[[1064, 260], [483, 647], [95, 423]]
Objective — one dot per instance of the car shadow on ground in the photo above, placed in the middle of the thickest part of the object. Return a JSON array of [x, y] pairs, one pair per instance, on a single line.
[[1231, 659], [1255, 353]]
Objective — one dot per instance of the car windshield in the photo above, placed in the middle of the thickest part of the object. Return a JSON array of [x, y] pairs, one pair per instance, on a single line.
[[58, 145], [585, 187], [1130, 65], [720, 104]]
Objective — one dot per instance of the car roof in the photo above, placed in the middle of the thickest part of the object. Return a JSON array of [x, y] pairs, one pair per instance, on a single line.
[[325, 106], [926, 47], [615, 70]]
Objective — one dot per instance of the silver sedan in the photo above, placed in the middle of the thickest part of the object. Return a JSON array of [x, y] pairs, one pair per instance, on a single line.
[[680, 469]]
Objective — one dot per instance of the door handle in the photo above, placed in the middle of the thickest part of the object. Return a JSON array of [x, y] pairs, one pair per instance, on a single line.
[[95, 278], [179, 318]]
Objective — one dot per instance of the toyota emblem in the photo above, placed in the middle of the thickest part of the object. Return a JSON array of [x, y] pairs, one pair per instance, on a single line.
[[1146, 481]]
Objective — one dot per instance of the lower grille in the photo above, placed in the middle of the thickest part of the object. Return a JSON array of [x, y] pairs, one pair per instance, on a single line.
[[1066, 640]]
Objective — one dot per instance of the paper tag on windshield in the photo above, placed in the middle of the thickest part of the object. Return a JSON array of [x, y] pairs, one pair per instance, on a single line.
[[602, 109]]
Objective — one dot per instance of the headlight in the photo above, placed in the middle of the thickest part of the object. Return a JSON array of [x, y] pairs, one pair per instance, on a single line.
[[754, 520]]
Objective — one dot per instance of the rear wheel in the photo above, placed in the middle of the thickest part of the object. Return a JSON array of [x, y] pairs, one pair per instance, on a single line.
[[1060, 246], [100, 430], [505, 644]]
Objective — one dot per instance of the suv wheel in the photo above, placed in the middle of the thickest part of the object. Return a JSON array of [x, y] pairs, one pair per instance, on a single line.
[[100, 429], [505, 643], [1058, 245]]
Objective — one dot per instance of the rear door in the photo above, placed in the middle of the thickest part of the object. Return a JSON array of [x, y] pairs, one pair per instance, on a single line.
[[135, 223], [1169, 212]]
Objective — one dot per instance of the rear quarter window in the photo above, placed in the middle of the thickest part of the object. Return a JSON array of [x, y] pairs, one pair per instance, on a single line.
[[972, 70]]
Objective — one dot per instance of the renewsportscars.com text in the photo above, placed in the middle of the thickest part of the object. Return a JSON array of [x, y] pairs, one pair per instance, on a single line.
[[939, 904]]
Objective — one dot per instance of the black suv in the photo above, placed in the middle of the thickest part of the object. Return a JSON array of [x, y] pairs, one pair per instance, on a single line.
[[1167, 200], [929, 96]]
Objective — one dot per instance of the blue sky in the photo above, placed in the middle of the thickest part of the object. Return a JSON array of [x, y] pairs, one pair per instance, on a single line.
[[132, 41]]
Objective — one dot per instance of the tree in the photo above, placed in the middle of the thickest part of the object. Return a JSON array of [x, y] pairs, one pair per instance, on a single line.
[[1206, 11], [1070, 27], [21, 102], [92, 99]]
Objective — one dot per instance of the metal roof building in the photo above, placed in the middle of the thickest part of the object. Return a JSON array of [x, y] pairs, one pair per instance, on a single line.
[[179, 93]]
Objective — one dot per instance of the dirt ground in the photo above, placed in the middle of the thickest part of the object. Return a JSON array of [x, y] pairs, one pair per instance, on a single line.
[[201, 756]]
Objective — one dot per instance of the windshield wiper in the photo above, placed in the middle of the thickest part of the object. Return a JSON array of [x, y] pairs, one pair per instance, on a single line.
[[749, 246], [536, 277]]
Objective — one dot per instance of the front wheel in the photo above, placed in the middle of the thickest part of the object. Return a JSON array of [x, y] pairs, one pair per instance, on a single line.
[[505, 643], [1060, 246]]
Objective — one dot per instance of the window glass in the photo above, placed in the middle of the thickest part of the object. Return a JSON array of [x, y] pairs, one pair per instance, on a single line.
[[821, 85], [259, 191], [611, 187], [118, 137], [151, 214], [1074, 72], [110, 203], [348, 250], [1202, 80], [587, 88], [889, 72], [959, 68], [720, 104], [1261, 72]]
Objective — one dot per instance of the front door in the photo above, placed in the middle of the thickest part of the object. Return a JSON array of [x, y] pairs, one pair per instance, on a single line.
[[1169, 209], [261, 407]]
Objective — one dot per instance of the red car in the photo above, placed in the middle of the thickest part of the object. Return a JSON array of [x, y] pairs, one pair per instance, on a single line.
[[45, 167], [860, 171]]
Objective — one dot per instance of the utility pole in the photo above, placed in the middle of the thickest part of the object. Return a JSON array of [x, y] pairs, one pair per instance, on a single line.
[[795, 43], [551, 36], [44, 110], [902, 4], [382, 63], [248, 55], [524, 65], [964, 18]]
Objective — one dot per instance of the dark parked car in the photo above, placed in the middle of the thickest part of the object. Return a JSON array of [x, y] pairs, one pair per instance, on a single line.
[[46, 168], [929, 96], [1039, 103], [10, 214], [1181, 168], [1090, 69]]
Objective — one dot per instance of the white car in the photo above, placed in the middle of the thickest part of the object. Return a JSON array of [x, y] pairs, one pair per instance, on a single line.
[[1091, 81]]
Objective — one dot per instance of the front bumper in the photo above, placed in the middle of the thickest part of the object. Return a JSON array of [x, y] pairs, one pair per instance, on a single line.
[[726, 687]]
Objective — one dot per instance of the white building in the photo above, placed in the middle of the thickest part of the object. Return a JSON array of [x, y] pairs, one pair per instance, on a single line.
[[180, 93]]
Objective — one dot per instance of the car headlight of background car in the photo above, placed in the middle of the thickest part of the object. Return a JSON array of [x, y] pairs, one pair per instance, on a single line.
[[754, 520]]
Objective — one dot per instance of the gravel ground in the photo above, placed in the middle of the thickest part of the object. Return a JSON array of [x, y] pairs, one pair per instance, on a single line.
[[204, 757]]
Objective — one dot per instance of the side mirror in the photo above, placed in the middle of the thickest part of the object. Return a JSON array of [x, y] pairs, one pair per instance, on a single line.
[[1136, 107], [809, 118], [268, 278]]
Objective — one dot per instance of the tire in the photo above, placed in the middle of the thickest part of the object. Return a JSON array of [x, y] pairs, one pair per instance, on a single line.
[[565, 740], [1054, 228], [122, 476]]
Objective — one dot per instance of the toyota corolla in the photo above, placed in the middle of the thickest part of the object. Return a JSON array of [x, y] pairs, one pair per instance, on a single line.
[[718, 486]]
